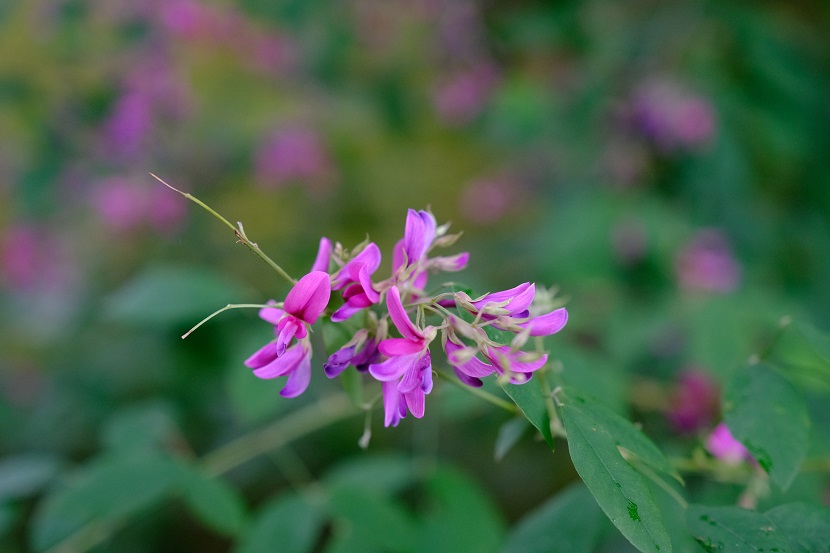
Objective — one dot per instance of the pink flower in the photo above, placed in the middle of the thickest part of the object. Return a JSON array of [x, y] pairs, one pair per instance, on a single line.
[[356, 278], [407, 373], [302, 307], [462, 97], [488, 200], [510, 310], [291, 154], [722, 445], [694, 403], [708, 265]]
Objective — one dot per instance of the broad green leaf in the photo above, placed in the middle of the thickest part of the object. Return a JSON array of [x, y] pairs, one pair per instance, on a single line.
[[570, 522], [172, 295], [288, 524], [25, 475], [792, 528], [381, 474], [149, 425], [214, 502], [766, 414], [462, 518], [8, 517], [805, 354], [531, 400], [375, 521], [108, 490], [807, 526], [618, 488], [509, 435]]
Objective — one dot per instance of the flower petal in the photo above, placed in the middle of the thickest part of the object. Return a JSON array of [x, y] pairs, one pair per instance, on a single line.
[[392, 403], [321, 263], [452, 263], [281, 365], [338, 361], [547, 324], [393, 347], [399, 316], [468, 380], [369, 256], [518, 298], [474, 367], [415, 401], [393, 368], [309, 297], [345, 311], [418, 235], [364, 276], [262, 357], [271, 314], [288, 327], [299, 378], [414, 375]]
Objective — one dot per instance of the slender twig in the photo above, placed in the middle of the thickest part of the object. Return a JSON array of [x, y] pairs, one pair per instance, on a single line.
[[229, 306], [238, 231]]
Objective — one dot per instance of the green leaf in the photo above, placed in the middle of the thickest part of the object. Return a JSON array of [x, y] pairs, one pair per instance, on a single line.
[[618, 488], [805, 354], [144, 426], [462, 518], [792, 528], [373, 520], [288, 524], [215, 502], [108, 490], [171, 295], [531, 400], [807, 527], [25, 475], [766, 414], [570, 522], [253, 399], [381, 474], [509, 435]]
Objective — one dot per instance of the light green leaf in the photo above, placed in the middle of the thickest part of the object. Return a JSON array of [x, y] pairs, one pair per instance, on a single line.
[[373, 520], [463, 517], [792, 528], [108, 490], [509, 435], [214, 502], [807, 526], [381, 474], [570, 522], [805, 354], [288, 524], [171, 295], [531, 400], [766, 414], [144, 426], [618, 488], [23, 475]]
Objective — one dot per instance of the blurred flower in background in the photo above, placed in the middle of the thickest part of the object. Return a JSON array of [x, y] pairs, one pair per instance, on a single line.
[[707, 264], [694, 403]]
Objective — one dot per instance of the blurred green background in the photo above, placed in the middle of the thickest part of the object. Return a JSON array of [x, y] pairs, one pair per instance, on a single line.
[[662, 164]]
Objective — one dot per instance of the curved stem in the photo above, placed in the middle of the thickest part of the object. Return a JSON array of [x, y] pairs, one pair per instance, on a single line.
[[227, 307], [238, 231]]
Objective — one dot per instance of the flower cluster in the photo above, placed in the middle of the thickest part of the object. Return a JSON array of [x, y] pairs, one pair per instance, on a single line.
[[479, 336]]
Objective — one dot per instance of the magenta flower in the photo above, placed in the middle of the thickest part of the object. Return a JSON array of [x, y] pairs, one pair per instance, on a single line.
[[502, 360], [302, 307], [360, 352], [694, 403], [510, 310], [409, 364], [722, 445], [356, 278]]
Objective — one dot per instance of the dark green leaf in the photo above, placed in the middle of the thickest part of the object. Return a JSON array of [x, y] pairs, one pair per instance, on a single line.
[[171, 295], [108, 490], [509, 435], [216, 503], [766, 414], [462, 517], [531, 400], [289, 524], [570, 522], [792, 528], [24, 475], [618, 488]]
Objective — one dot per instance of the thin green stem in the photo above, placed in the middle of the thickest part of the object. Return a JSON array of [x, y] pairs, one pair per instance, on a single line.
[[487, 396], [238, 231], [227, 307]]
